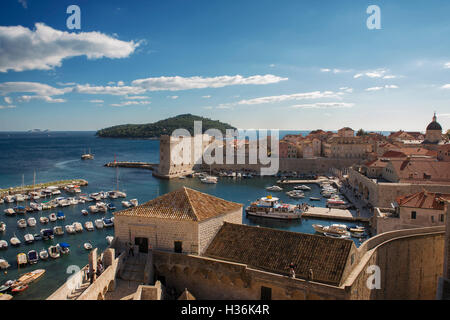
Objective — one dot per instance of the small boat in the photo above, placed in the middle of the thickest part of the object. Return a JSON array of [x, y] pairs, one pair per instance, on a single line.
[[89, 226], [3, 244], [109, 239], [126, 204], [63, 247], [78, 227], [58, 230], [2, 201], [20, 288], [335, 229], [9, 212], [52, 217], [37, 237], [19, 198], [43, 254], [22, 259], [134, 202], [111, 206], [87, 246], [53, 252], [302, 187], [9, 199], [112, 194], [296, 194], [29, 277], [33, 257], [93, 209], [60, 215], [87, 156], [338, 236], [98, 223], [102, 207], [107, 222], [47, 234], [70, 229], [121, 194], [43, 220], [209, 180], [28, 238], [4, 264], [270, 207], [22, 223], [31, 222], [274, 188], [84, 212], [2, 226], [15, 241], [314, 199], [20, 210]]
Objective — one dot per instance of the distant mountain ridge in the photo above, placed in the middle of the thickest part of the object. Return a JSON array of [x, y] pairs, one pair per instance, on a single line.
[[166, 126]]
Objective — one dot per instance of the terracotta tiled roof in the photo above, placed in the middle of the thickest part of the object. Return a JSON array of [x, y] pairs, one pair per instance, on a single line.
[[422, 170], [273, 250], [183, 204], [424, 199], [393, 154]]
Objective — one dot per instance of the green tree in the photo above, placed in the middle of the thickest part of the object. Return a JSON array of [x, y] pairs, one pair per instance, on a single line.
[[361, 133]]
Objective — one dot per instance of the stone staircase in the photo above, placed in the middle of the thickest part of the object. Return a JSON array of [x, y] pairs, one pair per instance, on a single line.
[[77, 292], [134, 267]]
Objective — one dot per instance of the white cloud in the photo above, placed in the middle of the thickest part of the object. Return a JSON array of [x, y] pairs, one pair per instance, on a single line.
[[335, 70], [346, 89], [206, 97], [287, 97], [181, 83], [40, 89], [447, 65], [172, 97], [113, 90], [96, 101], [208, 108], [381, 88], [120, 83], [130, 103], [378, 73], [8, 100], [7, 107], [44, 47], [325, 70], [446, 86], [44, 98], [136, 97], [323, 105], [272, 65]]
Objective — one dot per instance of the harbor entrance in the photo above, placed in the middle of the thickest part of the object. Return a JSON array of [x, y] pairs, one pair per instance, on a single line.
[[142, 243]]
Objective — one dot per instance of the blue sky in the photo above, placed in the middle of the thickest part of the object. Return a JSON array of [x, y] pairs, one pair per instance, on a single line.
[[255, 64]]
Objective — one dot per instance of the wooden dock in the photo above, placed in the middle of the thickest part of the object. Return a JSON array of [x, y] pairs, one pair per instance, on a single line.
[[129, 164], [333, 214], [59, 184], [294, 181]]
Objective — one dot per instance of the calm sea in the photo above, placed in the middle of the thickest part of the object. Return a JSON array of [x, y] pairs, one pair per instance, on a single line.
[[56, 156]]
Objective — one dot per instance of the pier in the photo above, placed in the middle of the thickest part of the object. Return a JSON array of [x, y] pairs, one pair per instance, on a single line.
[[129, 164], [333, 214], [59, 184]]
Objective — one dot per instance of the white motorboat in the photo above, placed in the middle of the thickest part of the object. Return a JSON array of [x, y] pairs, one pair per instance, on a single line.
[[31, 222], [43, 220], [53, 252], [63, 247], [302, 187], [28, 238], [274, 188], [109, 239], [96, 196], [98, 223], [52, 217], [134, 202], [4, 264], [102, 207], [336, 229], [22, 223], [15, 241], [32, 256], [43, 254], [296, 194], [9, 212], [58, 231], [2, 226], [9, 199], [89, 225], [93, 209], [126, 204], [339, 236], [270, 207], [22, 259], [108, 222], [84, 212], [3, 244], [209, 180], [70, 229], [87, 246], [78, 227], [19, 198], [121, 194], [112, 194], [2, 201], [36, 206]]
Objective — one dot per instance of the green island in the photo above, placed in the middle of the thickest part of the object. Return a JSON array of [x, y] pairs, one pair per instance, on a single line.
[[166, 126]]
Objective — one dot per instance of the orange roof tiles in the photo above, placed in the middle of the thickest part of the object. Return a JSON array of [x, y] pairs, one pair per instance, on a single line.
[[183, 204], [424, 200]]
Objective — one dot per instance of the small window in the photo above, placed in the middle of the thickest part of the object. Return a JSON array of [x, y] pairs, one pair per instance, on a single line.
[[432, 219], [413, 215], [441, 218], [178, 246]]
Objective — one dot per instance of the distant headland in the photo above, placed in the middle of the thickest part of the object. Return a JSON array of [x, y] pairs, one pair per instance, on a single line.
[[166, 126]]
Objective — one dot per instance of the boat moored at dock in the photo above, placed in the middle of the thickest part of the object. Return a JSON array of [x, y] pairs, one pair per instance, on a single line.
[[270, 207]]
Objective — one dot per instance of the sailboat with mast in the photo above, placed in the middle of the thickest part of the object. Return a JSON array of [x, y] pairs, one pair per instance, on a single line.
[[116, 193], [87, 156]]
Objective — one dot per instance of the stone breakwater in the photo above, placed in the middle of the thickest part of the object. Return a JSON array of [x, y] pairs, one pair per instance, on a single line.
[[128, 164], [59, 184]]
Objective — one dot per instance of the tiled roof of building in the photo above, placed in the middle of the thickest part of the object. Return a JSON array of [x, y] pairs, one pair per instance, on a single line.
[[424, 200], [418, 152], [422, 170], [183, 204], [273, 250]]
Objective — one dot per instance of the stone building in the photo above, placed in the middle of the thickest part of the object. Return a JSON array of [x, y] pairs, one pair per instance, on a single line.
[[184, 220], [433, 133], [421, 209], [346, 148], [346, 132]]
